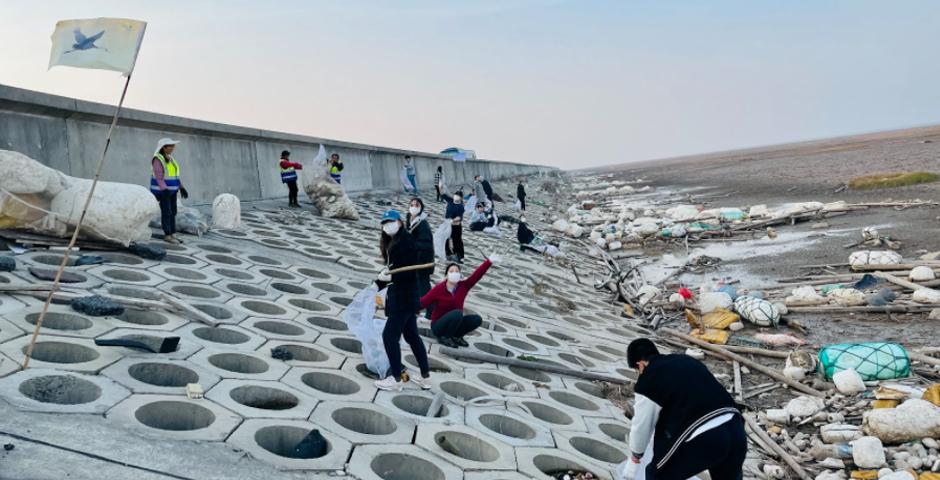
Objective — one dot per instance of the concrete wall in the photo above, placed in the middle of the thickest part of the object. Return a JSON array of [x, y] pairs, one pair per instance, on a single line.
[[68, 134]]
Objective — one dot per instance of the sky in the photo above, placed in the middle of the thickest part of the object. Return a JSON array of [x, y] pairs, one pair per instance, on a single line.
[[573, 84]]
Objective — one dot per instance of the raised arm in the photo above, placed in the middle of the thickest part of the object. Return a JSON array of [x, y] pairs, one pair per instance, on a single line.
[[478, 274]]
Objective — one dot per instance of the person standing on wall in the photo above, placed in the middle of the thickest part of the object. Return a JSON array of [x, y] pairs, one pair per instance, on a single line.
[[336, 166], [439, 183], [411, 172], [289, 176], [455, 210], [520, 194], [164, 184]]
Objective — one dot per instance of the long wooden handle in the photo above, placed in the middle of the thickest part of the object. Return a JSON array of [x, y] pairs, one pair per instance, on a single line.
[[411, 267]]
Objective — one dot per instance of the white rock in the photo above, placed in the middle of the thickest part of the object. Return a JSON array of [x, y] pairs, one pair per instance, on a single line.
[[832, 463], [774, 471], [601, 242], [226, 212], [804, 406], [911, 420], [899, 475], [926, 296], [868, 452], [794, 373], [831, 475], [930, 442], [840, 433], [615, 245], [847, 297], [736, 326], [848, 382], [778, 415], [921, 274], [695, 353], [884, 472], [804, 296]]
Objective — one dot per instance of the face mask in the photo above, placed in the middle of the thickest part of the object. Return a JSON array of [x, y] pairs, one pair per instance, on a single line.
[[457, 198], [414, 210], [522, 219], [453, 277], [391, 228]]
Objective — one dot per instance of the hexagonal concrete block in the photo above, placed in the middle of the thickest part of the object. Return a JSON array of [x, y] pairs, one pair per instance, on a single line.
[[545, 463], [272, 274], [414, 404], [314, 274], [239, 364], [9, 331], [505, 384], [9, 304], [307, 305], [257, 307], [384, 462], [275, 441], [127, 275], [185, 349], [363, 423], [223, 337], [337, 385], [460, 390], [236, 275], [580, 402], [147, 320], [175, 417], [327, 324], [611, 430], [237, 288], [345, 345], [553, 415], [180, 273], [466, 447], [229, 260], [537, 378], [160, 376], [60, 320], [62, 353], [304, 354], [255, 399], [194, 292], [281, 329], [49, 390], [509, 427], [592, 449]]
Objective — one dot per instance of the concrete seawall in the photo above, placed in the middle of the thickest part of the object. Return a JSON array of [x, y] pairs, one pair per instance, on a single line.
[[68, 134]]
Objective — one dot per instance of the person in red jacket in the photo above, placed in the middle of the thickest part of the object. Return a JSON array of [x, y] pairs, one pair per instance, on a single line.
[[289, 176], [448, 322]]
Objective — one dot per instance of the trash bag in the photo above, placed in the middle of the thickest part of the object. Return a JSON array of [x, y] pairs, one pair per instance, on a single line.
[[441, 235], [757, 311], [360, 318], [804, 297], [7, 263], [190, 220], [873, 360], [149, 251], [97, 306], [874, 257], [119, 212], [226, 212]]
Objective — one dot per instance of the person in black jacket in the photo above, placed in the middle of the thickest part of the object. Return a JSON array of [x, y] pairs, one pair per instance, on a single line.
[[693, 422], [520, 194], [420, 229], [402, 301], [488, 189], [454, 213]]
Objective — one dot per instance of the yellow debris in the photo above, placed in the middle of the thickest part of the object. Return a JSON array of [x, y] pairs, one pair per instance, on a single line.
[[884, 403], [720, 319], [712, 335], [929, 476], [932, 394], [865, 474]]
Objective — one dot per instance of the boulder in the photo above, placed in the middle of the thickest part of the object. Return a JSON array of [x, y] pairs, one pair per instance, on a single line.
[[868, 452], [912, 420], [926, 296], [226, 212], [921, 274], [119, 212]]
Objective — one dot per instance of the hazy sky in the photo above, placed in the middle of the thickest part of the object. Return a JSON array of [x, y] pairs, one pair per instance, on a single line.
[[568, 83]]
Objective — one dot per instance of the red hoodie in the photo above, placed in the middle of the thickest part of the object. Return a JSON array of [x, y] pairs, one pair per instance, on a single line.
[[285, 163], [444, 301]]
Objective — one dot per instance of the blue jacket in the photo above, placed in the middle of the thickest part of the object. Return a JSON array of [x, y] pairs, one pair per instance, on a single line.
[[454, 210]]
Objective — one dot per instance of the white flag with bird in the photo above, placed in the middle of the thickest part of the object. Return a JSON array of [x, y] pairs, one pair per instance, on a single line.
[[102, 43]]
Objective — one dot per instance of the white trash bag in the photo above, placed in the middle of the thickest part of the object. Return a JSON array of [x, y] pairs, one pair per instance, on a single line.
[[441, 235], [362, 322]]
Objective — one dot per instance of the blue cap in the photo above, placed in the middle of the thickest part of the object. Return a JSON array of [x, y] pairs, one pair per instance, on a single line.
[[391, 216]]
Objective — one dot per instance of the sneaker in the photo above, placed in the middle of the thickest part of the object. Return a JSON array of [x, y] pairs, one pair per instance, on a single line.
[[389, 384], [447, 342], [461, 342], [171, 239], [423, 382]]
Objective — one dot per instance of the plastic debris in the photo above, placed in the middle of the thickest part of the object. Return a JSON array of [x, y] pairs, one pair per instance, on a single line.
[[921, 273], [757, 311], [88, 260], [848, 382], [874, 257]]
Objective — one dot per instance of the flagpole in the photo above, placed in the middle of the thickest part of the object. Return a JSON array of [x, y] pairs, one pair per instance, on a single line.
[[78, 227]]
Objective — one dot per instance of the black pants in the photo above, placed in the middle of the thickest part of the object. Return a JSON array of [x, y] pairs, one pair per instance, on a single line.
[[398, 325], [455, 245], [454, 324], [720, 450], [438, 189], [522, 202], [291, 192], [167, 201]]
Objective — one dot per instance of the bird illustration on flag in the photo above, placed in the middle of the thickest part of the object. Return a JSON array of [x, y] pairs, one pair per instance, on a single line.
[[103, 43], [85, 43]]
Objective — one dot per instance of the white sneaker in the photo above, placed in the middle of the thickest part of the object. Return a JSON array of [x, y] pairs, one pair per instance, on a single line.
[[389, 384], [423, 382]]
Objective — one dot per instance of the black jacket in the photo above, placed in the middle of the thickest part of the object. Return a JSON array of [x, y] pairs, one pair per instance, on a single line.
[[424, 241], [520, 192], [487, 188], [524, 235], [403, 292]]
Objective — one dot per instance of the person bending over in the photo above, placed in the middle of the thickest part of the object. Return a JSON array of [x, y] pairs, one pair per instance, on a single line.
[[448, 322]]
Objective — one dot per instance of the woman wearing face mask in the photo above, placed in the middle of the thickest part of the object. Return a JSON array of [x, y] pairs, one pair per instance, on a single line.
[[455, 211], [402, 301], [417, 221], [448, 322]]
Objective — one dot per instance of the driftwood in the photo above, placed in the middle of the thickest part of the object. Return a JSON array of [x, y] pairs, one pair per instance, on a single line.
[[745, 361], [898, 281], [786, 457], [531, 365], [920, 357], [885, 309], [738, 390], [899, 266], [757, 351]]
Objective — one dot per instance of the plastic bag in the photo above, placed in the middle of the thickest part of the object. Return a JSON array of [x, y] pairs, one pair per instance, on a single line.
[[873, 360], [517, 206], [441, 235], [190, 220], [360, 318]]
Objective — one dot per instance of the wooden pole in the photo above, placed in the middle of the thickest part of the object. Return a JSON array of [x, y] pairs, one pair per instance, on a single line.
[[765, 438], [78, 227]]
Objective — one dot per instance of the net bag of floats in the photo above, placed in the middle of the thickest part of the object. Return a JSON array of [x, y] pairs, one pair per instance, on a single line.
[[873, 361]]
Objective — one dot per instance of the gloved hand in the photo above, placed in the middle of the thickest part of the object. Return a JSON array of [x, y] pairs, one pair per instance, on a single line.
[[184, 193], [629, 469], [384, 276], [495, 258]]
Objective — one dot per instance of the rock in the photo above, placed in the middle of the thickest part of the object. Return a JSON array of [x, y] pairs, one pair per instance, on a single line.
[[921, 274], [226, 212], [839, 433], [794, 373], [831, 475], [847, 297], [934, 314], [774, 471], [930, 442], [884, 472], [804, 296], [868, 452], [926, 296], [97, 306], [912, 420], [804, 406], [899, 475], [736, 326], [7, 263], [848, 382], [832, 463]]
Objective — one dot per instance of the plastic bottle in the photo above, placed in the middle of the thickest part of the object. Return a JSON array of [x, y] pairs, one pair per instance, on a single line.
[[837, 450]]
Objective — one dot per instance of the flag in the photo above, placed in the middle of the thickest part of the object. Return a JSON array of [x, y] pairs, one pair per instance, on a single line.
[[103, 43]]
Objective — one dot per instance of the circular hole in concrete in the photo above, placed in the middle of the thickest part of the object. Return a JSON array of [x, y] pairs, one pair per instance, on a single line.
[[513, 322], [121, 259], [125, 275], [289, 288], [60, 389], [615, 431], [265, 398], [49, 259], [62, 352], [344, 301], [233, 233], [521, 345], [558, 467], [597, 450], [493, 349], [362, 420], [163, 374], [572, 358], [329, 323], [174, 416], [263, 232], [363, 370], [179, 259], [264, 260], [309, 305], [357, 285], [284, 440], [501, 382], [350, 345], [329, 287], [134, 293], [591, 389], [243, 289], [221, 335], [234, 274], [223, 259], [573, 400], [317, 252], [435, 364], [239, 363], [305, 354], [279, 328], [620, 332], [616, 353], [185, 273], [595, 355], [548, 414], [279, 274], [198, 292], [416, 405], [330, 383], [214, 311], [399, 466], [264, 308], [275, 243], [560, 336], [61, 321], [466, 446], [508, 426], [174, 248], [461, 390], [528, 374], [548, 342], [214, 248], [309, 272]]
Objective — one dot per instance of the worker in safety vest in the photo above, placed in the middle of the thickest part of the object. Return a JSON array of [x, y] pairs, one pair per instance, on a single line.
[[336, 166], [164, 184], [289, 176]]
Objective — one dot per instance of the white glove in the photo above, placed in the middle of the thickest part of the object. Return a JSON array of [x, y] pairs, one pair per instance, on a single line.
[[384, 276], [496, 258], [627, 470]]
